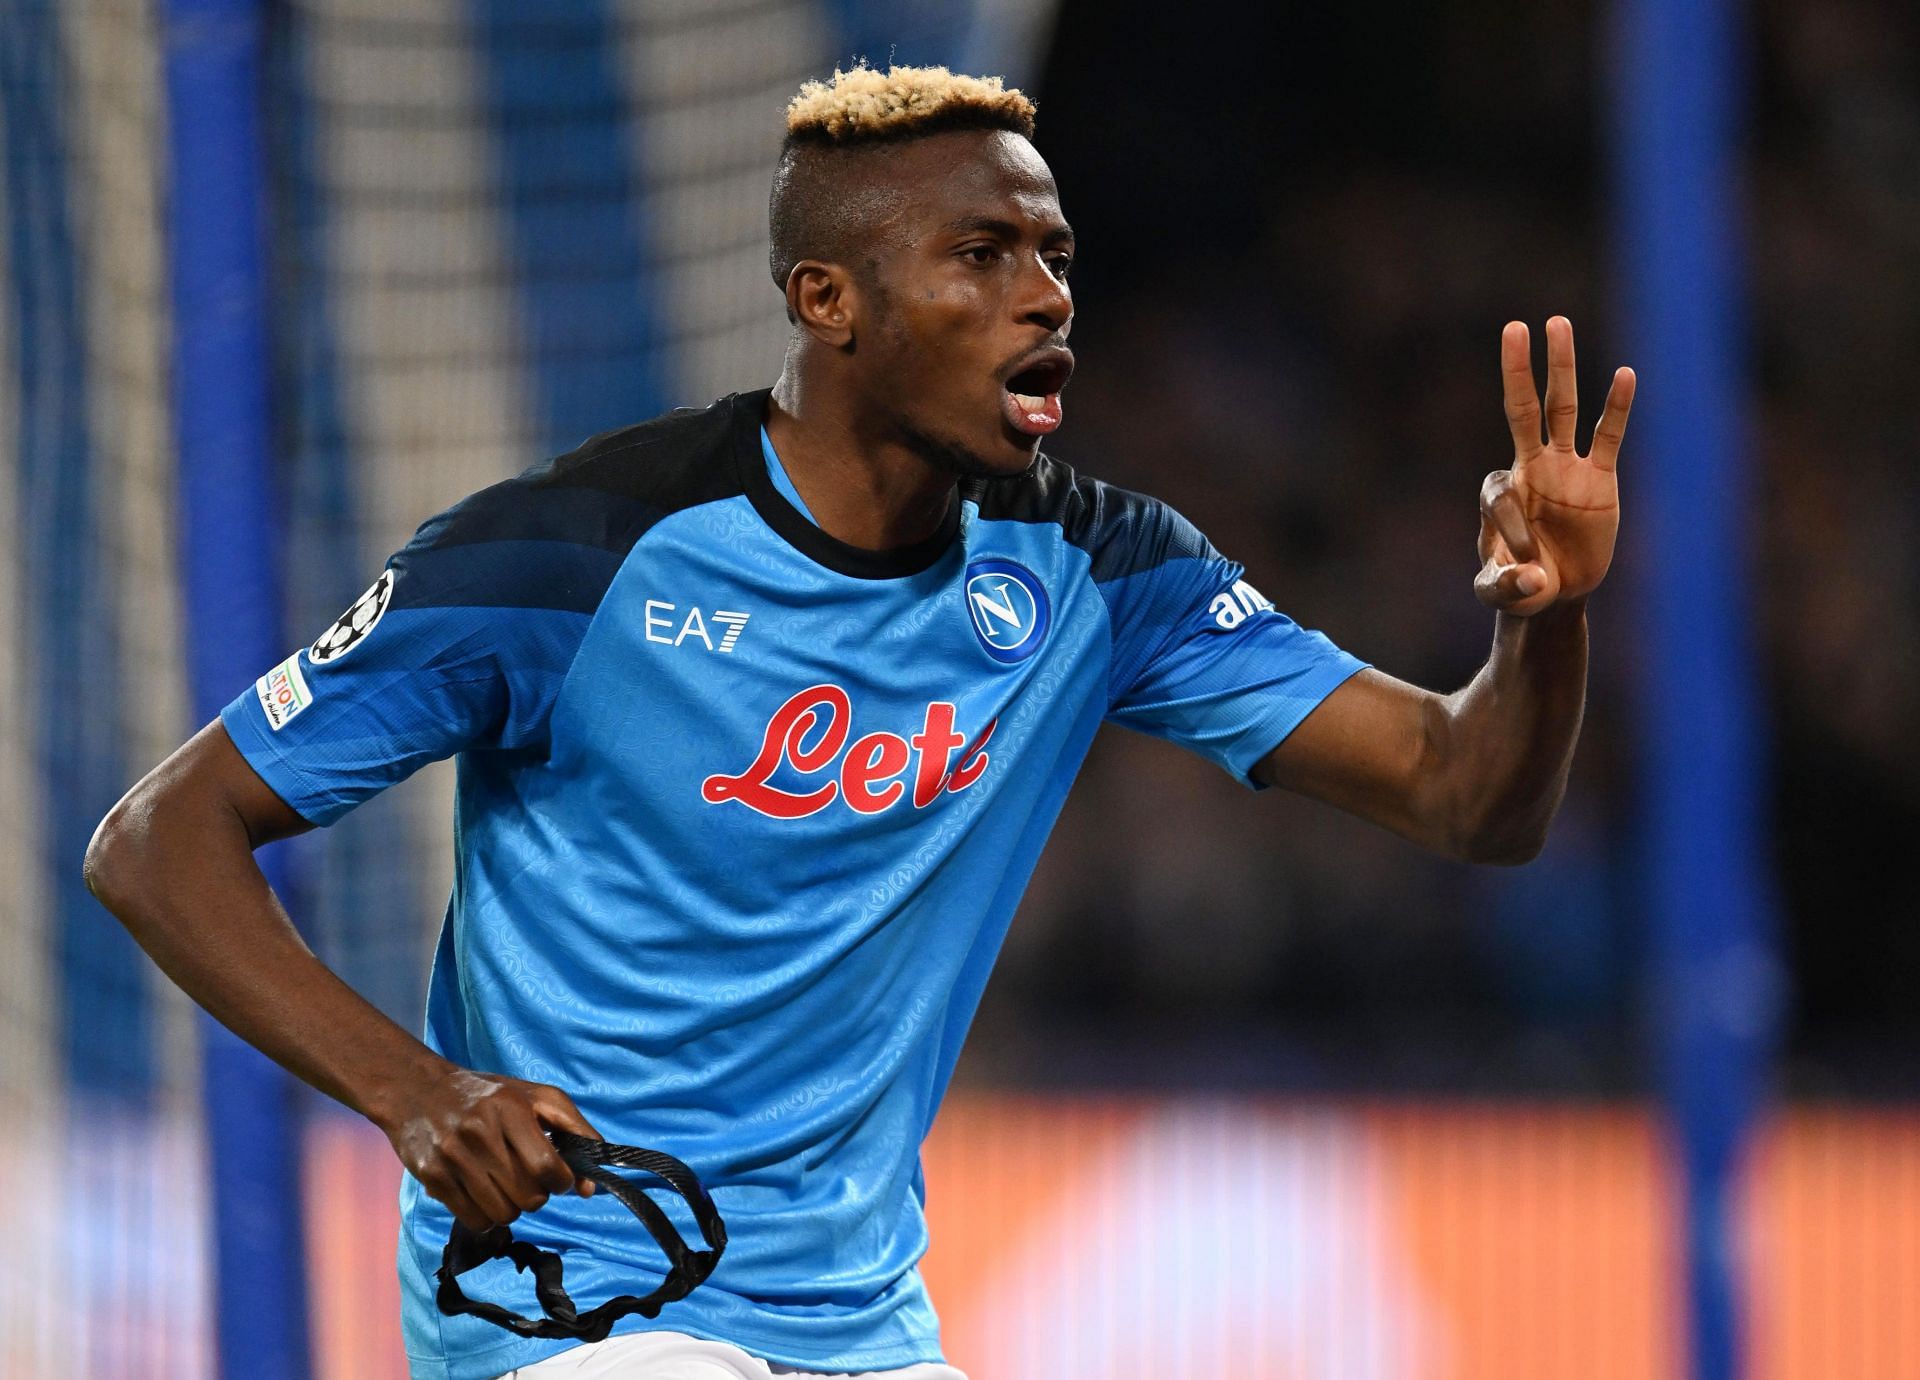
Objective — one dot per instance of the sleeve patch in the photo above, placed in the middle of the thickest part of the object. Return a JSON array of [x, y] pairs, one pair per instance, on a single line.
[[283, 693], [353, 625]]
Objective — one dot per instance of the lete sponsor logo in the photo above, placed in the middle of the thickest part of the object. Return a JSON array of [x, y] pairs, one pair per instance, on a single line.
[[874, 774]]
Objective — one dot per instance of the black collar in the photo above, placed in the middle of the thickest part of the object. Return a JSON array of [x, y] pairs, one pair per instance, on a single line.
[[749, 415]]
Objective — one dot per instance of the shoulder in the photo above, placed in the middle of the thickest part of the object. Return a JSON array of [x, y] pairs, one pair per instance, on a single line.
[[1122, 532], [553, 535], [606, 490]]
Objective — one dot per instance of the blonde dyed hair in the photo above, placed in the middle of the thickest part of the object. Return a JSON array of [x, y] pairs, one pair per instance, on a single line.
[[865, 104]]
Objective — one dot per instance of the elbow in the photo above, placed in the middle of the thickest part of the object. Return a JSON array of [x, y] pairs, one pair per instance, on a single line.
[[1497, 841], [1464, 812], [112, 855], [1503, 849], [1461, 818]]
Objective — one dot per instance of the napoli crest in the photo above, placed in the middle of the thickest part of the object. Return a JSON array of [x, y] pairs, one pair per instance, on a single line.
[[1009, 608]]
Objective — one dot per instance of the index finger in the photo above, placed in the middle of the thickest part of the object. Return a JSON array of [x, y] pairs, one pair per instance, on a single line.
[[537, 1155], [555, 1108], [1522, 397]]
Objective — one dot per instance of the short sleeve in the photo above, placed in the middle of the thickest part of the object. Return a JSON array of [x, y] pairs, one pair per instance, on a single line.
[[462, 643], [1200, 657]]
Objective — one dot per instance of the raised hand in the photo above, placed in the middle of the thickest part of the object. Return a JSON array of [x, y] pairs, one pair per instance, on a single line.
[[1547, 525]]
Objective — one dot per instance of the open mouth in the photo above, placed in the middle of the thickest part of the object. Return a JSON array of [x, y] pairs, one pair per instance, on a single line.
[[1032, 403]]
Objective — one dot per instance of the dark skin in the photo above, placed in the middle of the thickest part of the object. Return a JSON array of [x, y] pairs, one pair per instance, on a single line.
[[895, 375], [894, 386]]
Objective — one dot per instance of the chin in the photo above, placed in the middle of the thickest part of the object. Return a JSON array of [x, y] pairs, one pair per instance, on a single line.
[[1011, 453], [1008, 452], [1021, 454]]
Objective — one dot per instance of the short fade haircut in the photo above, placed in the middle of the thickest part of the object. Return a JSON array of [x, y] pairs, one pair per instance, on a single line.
[[817, 207]]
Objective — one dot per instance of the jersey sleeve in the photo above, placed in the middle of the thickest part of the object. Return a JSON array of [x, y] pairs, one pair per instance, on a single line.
[[462, 643], [1200, 657]]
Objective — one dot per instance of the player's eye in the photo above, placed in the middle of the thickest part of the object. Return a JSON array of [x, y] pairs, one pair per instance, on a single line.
[[1061, 264], [980, 254]]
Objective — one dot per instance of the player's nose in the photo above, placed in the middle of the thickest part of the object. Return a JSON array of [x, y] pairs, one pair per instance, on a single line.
[[1044, 298]]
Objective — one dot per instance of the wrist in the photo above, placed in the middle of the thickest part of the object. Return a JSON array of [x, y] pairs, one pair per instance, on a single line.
[[1566, 613], [388, 1097]]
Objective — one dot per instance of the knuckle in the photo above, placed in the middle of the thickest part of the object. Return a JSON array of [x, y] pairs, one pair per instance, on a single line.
[[501, 1095]]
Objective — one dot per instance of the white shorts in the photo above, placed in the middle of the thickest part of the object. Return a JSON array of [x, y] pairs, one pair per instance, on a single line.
[[676, 1356]]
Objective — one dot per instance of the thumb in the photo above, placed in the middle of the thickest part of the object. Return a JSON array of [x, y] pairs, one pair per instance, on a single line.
[[1522, 588]]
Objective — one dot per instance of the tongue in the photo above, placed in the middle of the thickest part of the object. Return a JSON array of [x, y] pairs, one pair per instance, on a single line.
[[1036, 416]]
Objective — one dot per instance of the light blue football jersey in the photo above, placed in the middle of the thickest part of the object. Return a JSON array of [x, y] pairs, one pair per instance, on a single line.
[[742, 816]]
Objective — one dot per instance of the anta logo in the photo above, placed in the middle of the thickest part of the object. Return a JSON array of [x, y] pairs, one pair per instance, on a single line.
[[663, 623], [1230, 608], [1008, 605], [874, 774]]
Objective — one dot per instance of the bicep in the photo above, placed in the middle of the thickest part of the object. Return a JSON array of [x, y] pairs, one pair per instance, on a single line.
[[193, 818], [1368, 748], [207, 774]]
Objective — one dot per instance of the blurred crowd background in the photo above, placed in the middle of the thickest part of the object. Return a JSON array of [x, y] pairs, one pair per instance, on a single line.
[[492, 229], [1298, 250]]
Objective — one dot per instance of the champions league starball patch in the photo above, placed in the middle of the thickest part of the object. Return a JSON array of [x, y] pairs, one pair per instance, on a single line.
[[353, 625]]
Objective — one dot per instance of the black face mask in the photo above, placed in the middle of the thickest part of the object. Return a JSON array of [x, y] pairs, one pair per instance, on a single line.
[[587, 1159]]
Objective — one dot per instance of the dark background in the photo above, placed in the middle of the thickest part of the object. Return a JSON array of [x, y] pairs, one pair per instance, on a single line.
[[1297, 250]]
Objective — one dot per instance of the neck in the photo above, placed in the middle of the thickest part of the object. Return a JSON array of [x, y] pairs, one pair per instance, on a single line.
[[863, 486]]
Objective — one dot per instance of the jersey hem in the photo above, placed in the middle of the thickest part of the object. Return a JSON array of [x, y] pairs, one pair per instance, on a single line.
[[1266, 733], [273, 767], [494, 1361]]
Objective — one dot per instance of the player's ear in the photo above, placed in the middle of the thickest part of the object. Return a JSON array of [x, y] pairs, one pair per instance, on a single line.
[[821, 300]]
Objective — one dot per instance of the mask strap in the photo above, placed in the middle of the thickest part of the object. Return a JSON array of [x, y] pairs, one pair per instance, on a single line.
[[595, 1160]]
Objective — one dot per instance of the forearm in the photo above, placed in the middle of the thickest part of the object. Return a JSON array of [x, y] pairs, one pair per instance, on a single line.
[[1507, 739], [181, 877]]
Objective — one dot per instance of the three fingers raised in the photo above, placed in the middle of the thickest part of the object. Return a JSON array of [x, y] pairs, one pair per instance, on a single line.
[[1562, 413]]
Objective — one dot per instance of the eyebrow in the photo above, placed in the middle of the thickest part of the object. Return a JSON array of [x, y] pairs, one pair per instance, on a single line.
[[1006, 229]]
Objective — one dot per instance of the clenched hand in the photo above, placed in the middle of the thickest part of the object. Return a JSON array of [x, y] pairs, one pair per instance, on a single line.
[[477, 1143]]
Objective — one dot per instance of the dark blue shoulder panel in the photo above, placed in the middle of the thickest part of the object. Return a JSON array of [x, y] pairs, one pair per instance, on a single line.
[[1122, 532], [554, 536]]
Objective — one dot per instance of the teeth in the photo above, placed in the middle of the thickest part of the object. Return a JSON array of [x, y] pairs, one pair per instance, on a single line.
[[1030, 402]]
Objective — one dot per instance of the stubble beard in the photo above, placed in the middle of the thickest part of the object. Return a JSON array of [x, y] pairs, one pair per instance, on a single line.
[[953, 457]]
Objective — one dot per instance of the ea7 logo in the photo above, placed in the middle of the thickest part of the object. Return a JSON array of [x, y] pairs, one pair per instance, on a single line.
[[663, 623], [1232, 607]]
